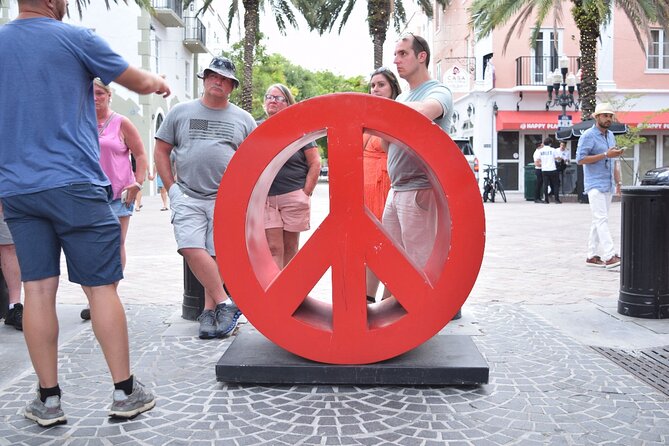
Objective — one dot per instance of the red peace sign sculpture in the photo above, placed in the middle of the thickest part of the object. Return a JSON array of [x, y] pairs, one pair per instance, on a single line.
[[347, 330]]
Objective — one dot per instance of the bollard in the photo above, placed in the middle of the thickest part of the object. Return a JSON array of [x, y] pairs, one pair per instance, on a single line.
[[4, 296], [193, 302], [644, 281]]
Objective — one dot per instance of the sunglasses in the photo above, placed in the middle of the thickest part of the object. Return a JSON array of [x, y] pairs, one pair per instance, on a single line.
[[222, 63], [423, 49], [381, 70], [280, 99]]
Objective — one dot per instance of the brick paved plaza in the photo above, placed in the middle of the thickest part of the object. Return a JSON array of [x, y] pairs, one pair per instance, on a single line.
[[535, 314]]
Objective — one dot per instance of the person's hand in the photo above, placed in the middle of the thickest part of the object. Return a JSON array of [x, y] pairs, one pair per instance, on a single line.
[[131, 193], [614, 152], [163, 89], [618, 189]]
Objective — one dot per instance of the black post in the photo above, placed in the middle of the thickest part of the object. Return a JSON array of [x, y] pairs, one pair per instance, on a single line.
[[193, 302], [644, 282], [4, 296]]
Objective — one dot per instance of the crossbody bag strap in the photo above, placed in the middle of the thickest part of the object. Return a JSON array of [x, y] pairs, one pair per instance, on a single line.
[[102, 130]]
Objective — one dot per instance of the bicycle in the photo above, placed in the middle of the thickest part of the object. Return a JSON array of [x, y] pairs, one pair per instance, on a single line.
[[492, 184]]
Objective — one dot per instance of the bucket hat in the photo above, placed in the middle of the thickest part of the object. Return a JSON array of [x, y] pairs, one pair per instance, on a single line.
[[222, 66]]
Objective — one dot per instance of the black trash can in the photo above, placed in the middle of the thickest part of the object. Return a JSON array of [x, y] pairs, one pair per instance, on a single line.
[[4, 297], [644, 270], [193, 302]]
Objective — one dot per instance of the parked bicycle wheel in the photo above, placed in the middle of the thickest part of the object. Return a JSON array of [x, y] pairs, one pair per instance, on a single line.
[[500, 189], [486, 192]]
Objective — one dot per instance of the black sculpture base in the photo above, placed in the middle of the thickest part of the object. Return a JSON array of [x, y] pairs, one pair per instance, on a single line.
[[443, 360]]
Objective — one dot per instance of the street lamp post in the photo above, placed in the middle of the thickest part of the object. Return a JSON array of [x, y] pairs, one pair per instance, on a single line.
[[564, 97]]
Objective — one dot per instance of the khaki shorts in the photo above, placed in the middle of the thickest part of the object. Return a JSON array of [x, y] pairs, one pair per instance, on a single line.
[[410, 217], [290, 212], [192, 220], [5, 235]]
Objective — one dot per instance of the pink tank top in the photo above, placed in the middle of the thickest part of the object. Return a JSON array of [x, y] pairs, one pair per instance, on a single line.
[[115, 156]]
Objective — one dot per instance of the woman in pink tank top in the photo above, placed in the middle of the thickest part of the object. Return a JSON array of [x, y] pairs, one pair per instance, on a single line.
[[118, 139]]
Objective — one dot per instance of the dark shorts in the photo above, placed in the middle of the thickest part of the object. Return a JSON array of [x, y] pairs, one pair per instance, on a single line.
[[75, 218]]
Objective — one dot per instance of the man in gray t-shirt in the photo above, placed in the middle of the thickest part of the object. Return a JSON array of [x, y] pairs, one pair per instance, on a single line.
[[203, 134], [410, 215]]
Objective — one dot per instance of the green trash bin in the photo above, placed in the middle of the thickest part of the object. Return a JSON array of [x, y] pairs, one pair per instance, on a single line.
[[530, 182]]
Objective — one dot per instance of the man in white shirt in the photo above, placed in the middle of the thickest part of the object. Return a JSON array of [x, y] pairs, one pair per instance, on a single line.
[[549, 171]]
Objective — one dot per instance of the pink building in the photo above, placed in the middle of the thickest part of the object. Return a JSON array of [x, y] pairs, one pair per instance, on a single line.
[[500, 96]]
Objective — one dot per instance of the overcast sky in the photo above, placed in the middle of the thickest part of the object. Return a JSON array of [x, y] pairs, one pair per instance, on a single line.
[[349, 53]]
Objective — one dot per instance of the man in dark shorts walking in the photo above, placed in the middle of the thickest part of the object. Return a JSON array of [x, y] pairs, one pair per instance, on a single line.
[[55, 194]]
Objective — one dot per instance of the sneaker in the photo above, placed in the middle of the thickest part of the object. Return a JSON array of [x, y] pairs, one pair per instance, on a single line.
[[595, 261], [612, 262], [227, 315], [15, 317], [207, 325], [85, 314], [129, 406], [45, 414]]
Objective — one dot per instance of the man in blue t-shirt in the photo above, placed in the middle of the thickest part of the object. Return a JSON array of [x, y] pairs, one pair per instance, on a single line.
[[598, 154], [55, 194]]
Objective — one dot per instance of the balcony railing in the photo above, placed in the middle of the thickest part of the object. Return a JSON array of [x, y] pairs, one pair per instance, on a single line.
[[195, 35], [532, 70], [169, 12]]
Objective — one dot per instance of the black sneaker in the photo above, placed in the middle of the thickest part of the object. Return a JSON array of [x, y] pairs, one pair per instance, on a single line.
[[227, 315], [207, 325], [15, 317]]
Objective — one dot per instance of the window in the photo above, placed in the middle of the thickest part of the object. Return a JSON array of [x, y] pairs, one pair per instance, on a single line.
[[187, 80], [658, 50], [546, 51], [156, 54]]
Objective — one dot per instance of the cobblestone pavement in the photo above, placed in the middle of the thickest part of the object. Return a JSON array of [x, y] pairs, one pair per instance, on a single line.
[[534, 313]]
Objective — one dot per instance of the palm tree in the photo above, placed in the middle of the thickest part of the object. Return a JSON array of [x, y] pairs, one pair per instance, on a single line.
[[589, 16], [325, 15]]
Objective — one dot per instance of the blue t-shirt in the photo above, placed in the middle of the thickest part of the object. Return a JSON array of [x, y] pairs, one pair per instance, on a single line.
[[48, 128], [598, 175], [406, 170]]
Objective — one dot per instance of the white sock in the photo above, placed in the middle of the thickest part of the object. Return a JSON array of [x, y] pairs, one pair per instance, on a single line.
[[11, 306]]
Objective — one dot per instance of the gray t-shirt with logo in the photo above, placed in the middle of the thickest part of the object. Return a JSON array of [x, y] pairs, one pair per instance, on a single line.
[[203, 140], [406, 170]]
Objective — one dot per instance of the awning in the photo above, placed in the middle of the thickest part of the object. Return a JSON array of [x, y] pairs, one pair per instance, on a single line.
[[532, 120], [649, 120], [548, 120]]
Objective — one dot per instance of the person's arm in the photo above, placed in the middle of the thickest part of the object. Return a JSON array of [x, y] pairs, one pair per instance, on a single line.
[[611, 153], [617, 176], [143, 82], [430, 108], [314, 163], [152, 173], [162, 152], [134, 142]]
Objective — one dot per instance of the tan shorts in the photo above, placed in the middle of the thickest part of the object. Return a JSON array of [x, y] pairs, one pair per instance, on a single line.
[[291, 211]]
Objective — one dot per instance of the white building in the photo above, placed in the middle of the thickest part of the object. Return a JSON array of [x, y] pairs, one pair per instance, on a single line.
[[501, 101]]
